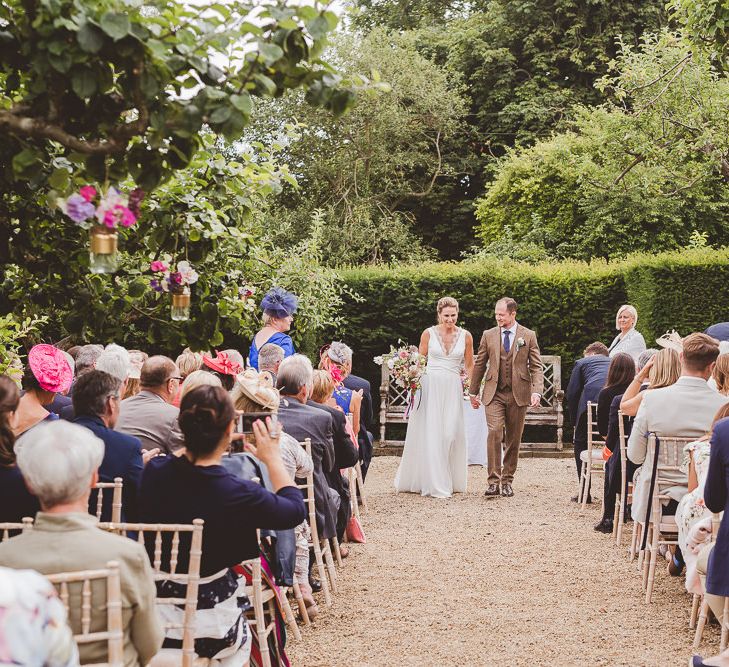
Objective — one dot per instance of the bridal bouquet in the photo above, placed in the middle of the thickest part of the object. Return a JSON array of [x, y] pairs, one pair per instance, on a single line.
[[406, 366]]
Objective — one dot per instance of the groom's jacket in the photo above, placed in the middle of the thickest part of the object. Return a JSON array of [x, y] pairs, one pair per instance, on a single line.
[[527, 376]]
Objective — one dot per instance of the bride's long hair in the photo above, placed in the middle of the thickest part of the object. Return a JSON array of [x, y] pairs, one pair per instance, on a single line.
[[446, 302]]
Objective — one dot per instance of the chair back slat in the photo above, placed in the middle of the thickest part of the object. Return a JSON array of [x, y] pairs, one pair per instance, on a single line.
[[114, 633], [191, 578], [8, 527], [116, 488]]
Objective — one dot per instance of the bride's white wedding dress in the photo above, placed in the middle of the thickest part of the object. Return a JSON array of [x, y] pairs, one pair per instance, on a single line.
[[434, 461]]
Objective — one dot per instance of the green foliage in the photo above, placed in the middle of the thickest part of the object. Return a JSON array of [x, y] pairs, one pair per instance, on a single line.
[[707, 24], [14, 334], [120, 87], [645, 172], [569, 304], [363, 171]]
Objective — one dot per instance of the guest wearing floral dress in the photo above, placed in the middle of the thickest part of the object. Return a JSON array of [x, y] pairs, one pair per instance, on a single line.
[[691, 508], [278, 308]]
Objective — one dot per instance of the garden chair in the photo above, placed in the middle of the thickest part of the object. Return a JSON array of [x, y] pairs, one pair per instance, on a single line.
[[625, 497], [74, 590], [115, 488], [699, 601], [591, 458], [9, 527]]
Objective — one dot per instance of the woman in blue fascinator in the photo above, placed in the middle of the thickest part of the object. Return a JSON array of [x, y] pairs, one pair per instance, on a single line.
[[278, 308]]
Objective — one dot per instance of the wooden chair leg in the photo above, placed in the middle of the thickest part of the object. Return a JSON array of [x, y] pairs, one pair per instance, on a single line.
[[616, 512], [360, 487], [322, 574], [301, 604], [289, 614], [353, 493], [633, 542], [724, 625], [703, 616], [621, 520], [586, 485], [337, 552], [652, 565], [329, 560], [581, 486], [695, 603]]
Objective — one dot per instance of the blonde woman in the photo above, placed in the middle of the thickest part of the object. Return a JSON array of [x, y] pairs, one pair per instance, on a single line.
[[336, 359], [721, 374], [434, 461], [662, 370], [198, 379], [629, 340]]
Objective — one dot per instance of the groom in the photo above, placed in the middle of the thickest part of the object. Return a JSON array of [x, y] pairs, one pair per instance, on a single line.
[[515, 380]]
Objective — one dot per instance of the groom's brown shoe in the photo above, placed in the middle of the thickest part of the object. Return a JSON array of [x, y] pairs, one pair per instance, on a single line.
[[492, 491], [507, 491]]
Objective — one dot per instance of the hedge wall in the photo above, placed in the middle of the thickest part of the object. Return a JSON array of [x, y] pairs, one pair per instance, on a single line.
[[569, 304]]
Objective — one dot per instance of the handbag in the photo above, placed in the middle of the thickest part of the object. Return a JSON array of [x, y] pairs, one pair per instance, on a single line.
[[354, 531]]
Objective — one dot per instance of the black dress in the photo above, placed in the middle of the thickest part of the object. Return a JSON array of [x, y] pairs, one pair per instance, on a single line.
[[16, 502]]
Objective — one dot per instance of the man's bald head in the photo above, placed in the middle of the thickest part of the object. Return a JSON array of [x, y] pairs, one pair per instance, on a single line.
[[156, 371]]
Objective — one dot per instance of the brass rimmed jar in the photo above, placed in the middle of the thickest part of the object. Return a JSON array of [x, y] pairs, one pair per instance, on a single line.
[[103, 249], [180, 309]]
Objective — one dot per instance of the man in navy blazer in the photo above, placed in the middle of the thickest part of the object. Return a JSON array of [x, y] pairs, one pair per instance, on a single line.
[[366, 419], [96, 405], [587, 379]]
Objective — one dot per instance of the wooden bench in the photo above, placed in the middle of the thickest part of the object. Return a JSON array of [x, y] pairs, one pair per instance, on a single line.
[[394, 399]]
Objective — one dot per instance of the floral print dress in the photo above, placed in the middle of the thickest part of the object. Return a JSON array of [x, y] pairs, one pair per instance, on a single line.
[[691, 508]]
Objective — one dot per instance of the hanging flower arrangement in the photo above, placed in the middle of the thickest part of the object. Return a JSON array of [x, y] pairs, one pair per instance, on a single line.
[[177, 283], [103, 213]]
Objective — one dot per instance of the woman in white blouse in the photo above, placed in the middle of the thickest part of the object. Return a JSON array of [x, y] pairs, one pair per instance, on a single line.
[[628, 340]]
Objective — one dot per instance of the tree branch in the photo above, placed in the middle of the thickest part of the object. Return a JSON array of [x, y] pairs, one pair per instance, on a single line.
[[662, 76], [623, 174]]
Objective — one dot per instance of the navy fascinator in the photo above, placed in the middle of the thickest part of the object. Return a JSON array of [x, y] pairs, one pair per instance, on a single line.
[[279, 303]]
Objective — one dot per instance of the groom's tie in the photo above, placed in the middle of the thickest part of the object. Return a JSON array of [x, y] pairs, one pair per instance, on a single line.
[[507, 343]]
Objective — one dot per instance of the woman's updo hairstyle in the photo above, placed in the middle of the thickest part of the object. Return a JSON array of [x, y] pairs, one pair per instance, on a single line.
[[9, 399], [446, 302], [205, 414]]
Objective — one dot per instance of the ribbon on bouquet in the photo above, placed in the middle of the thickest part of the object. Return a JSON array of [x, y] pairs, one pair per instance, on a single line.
[[411, 403]]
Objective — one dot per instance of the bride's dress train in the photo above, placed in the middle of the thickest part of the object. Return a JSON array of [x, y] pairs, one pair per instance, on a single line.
[[434, 461]]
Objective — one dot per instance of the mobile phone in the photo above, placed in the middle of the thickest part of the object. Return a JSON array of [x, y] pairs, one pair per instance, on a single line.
[[246, 419]]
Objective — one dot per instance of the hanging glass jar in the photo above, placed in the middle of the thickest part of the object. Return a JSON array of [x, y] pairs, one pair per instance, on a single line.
[[180, 309], [103, 245]]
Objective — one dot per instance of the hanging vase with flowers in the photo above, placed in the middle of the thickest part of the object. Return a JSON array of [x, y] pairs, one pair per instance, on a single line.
[[103, 213], [177, 283]]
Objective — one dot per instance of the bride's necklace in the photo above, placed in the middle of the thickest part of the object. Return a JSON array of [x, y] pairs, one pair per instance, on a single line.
[[446, 342]]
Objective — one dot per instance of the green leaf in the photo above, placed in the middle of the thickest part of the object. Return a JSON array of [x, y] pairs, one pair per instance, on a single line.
[[220, 115], [267, 86], [83, 82], [115, 25], [318, 28], [242, 102], [137, 288], [270, 52], [90, 38], [59, 179]]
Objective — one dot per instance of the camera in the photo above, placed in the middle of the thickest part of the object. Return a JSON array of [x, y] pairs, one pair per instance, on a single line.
[[246, 419]]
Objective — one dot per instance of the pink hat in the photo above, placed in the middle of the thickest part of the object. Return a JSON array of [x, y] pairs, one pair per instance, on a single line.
[[222, 363], [50, 367]]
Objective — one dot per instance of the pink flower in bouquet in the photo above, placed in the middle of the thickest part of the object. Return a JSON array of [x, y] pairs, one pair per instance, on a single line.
[[403, 354], [88, 192], [158, 266]]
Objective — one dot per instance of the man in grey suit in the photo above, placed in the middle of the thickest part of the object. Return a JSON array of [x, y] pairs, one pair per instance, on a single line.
[[685, 409], [295, 382], [150, 415]]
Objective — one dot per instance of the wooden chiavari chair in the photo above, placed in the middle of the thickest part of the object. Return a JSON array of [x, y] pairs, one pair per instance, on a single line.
[[316, 544], [591, 458], [10, 527], [190, 579], [626, 486], [74, 589], [700, 600], [661, 529], [116, 488]]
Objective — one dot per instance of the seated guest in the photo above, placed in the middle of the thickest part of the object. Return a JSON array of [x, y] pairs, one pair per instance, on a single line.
[[237, 358], [96, 405], [223, 367], [198, 379], [85, 360], [587, 379], [62, 400], [269, 359], [366, 417], [336, 359], [150, 415], [720, 376], [179, 489], [188, 362], [16, 502], [629, 340], [301, 421], [685, 409], [720, 331], [33, 623], [59, 462], [692, 507], [47, 373], [136, 361], [278, 308], [662, 370], [253, 392], [345, 449], [714, 558]]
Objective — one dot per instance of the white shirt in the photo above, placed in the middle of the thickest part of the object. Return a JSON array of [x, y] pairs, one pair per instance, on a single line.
[[512, 337]]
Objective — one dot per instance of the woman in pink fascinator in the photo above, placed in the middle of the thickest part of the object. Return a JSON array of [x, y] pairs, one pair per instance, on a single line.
[[46, 374]]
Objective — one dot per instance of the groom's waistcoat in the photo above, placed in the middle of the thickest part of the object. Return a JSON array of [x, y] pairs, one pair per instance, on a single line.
[[504, 381]]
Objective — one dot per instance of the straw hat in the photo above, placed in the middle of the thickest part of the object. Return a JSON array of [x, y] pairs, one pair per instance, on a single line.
[[671, 340], [257, 386]]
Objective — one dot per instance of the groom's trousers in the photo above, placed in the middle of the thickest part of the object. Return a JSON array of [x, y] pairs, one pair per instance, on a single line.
[[505, 420]]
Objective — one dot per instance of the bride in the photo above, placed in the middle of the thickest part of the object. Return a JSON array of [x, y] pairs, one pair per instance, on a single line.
[[434, 462]]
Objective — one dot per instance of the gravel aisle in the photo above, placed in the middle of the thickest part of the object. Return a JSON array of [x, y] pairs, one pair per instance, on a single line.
[[507, 581]]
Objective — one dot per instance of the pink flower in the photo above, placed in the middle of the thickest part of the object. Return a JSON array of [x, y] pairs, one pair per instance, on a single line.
[[403, 354], [127, 217], [119, 214], [88, 192], [158, 265], [110, 219]]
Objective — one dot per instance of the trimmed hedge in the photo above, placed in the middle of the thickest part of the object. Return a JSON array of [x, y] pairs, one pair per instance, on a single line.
[[568, 304]]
